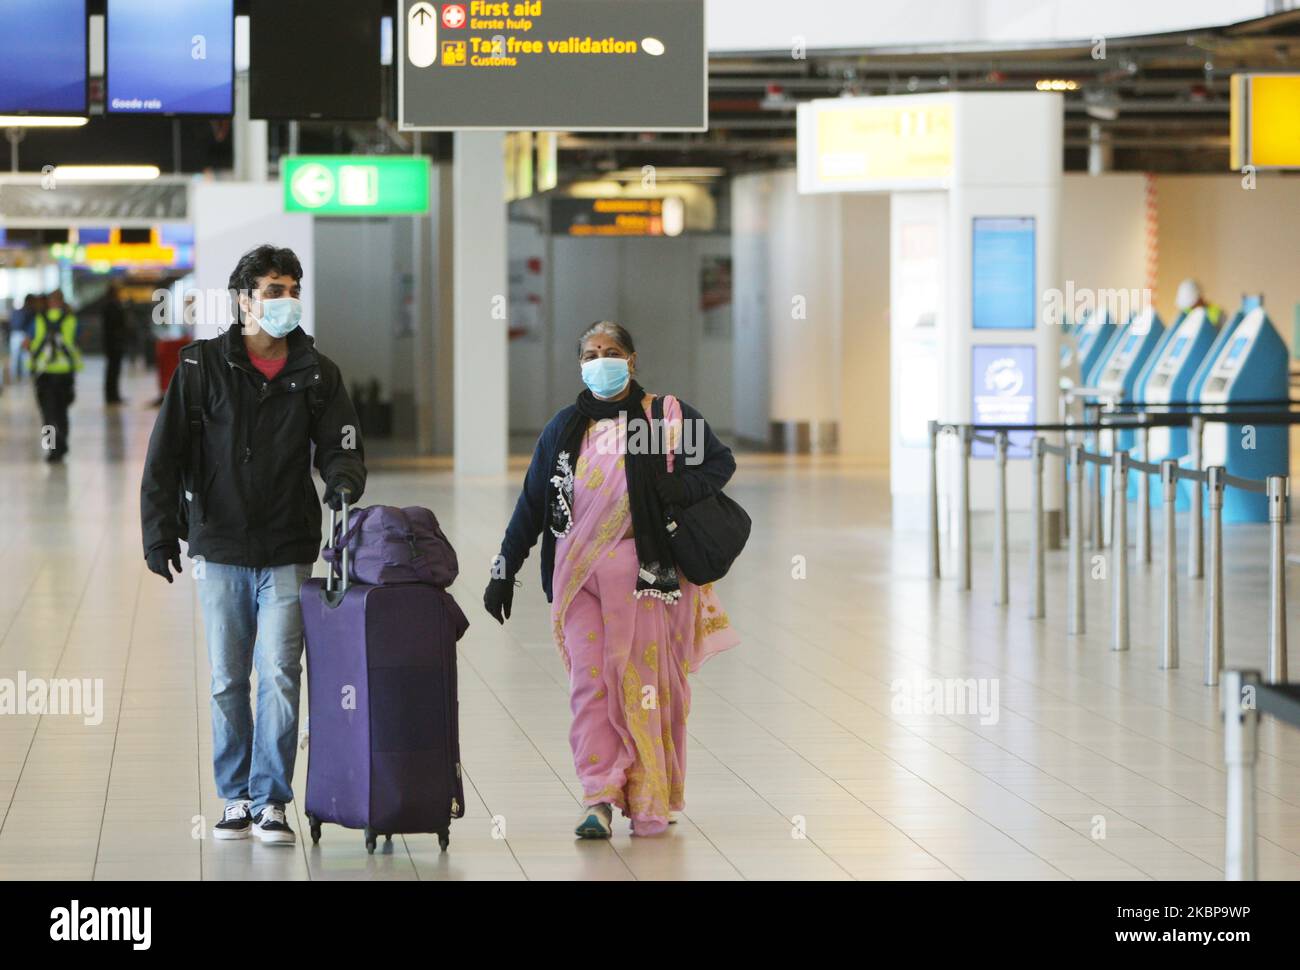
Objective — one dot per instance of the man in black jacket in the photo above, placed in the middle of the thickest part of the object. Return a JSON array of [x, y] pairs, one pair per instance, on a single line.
[[229, 471]]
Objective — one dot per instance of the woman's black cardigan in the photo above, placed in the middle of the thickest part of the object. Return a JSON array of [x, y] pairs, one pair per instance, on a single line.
[[529, 519]]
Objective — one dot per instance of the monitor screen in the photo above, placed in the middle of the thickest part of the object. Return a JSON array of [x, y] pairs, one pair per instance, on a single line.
[[170, 58], [1130, 344], [43, 57], [1177, 350], [1003, 294], [1238, 346], [94, 235], [315, 59]]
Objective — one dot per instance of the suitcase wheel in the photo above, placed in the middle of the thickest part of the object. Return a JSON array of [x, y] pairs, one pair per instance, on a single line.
[[315, 828], [371, 841], [443, 840]]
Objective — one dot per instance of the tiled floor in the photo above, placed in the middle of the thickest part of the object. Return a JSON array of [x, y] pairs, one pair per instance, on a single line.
[[1099, 766]]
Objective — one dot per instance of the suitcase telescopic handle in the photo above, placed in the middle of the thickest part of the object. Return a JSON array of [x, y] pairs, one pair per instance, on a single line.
[[344, 495]]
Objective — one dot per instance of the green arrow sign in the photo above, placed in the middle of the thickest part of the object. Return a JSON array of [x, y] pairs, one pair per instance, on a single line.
[[356, 185]]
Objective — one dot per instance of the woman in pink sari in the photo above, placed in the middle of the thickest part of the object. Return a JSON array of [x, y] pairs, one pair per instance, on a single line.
[[628, 627]]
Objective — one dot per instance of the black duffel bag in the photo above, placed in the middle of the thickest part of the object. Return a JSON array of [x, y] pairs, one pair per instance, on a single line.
[[706, 537]]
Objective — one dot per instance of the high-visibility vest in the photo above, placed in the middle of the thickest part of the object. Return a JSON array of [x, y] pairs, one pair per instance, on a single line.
[[54, 344]]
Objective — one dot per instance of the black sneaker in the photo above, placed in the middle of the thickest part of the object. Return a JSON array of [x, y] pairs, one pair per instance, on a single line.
[[235, 822], [269, 826]]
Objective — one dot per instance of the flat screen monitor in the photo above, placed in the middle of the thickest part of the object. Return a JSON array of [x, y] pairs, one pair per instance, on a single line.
[[1003, 288], [315, 59], [94, 236], [43, 57], [1238, 346], [1177, 351], [170, 58], [135, 236]]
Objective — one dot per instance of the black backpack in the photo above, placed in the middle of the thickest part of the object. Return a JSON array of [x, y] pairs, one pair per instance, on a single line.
[[706, 537]]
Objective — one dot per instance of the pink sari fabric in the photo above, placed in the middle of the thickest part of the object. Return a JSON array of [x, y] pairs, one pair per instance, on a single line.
[[627, 657]]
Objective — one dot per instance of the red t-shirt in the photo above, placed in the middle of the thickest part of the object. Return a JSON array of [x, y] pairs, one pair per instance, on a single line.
[[268, 368]]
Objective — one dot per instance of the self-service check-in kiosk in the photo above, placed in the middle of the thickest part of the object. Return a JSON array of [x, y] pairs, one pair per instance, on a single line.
[[1168, 377], [1117, 378], [1248, 303], [1251, 366], [1087, 345]]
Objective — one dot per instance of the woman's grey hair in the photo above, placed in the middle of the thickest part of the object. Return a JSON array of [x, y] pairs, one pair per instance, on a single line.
[[609, 329]]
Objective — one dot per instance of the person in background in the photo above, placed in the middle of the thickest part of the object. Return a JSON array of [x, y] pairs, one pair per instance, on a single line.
[[627, 625], [1189, 297], [268, 405], [55, 362], [20, 332], [114, 344]]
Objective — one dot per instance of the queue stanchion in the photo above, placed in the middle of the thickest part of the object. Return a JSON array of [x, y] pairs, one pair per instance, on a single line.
[[1169, 631], [1240, 752], [1066, 418], [1098, 504], [1076, 624], [1000, 540], [1277, 580], [934, 499], [963, 512], [1106, 495], [1144, 500], [1195, 553], [1119, 550], [1038, 558], [1214, 595]]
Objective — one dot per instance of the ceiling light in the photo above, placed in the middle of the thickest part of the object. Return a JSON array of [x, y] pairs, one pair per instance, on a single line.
[[40, 121], [1057, 84], [105, 173]]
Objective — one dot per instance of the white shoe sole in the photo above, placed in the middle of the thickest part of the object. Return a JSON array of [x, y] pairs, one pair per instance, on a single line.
[[274, 838], [593, 826], [230, 835]]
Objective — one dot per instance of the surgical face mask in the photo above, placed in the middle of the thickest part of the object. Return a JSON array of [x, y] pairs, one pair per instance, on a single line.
[[605, 376], [279, 317]]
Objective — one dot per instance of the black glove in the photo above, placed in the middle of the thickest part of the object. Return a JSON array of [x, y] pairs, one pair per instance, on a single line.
[[334, 494], [672, 490], [498, 597], [159, 557]]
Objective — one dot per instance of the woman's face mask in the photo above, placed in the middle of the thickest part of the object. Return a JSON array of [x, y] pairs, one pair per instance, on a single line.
[[279, 317], [606, 376]]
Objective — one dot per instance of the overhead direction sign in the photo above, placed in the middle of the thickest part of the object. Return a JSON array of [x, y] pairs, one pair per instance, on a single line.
[[567, 65], [356, 185]]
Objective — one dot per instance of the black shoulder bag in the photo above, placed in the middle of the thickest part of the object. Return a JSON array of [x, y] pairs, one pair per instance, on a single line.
[[706, 537]]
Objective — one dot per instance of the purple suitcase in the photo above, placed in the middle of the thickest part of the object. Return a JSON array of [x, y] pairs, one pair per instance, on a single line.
[[384, 749]]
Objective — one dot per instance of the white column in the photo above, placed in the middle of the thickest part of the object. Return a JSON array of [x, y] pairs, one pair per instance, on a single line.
[[480, 361]]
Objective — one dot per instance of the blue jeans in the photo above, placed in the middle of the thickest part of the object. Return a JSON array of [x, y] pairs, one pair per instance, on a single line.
[[252, 618]]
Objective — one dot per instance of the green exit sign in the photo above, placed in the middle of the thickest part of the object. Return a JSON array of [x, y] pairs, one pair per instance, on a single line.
[[356, 185]]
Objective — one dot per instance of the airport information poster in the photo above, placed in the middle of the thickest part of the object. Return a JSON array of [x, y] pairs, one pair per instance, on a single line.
[[1003, 295], [1003, 392], [571, 65]]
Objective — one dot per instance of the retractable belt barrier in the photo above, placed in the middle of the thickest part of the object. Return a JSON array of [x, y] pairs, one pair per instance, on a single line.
[[1243, 695], [1079, 462]]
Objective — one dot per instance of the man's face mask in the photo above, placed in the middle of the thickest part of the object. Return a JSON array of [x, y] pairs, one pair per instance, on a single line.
[[279, 317]]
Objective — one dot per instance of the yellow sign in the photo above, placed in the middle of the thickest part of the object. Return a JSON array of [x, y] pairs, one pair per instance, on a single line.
[[453, 53], [1265, 120], [866, 143]]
